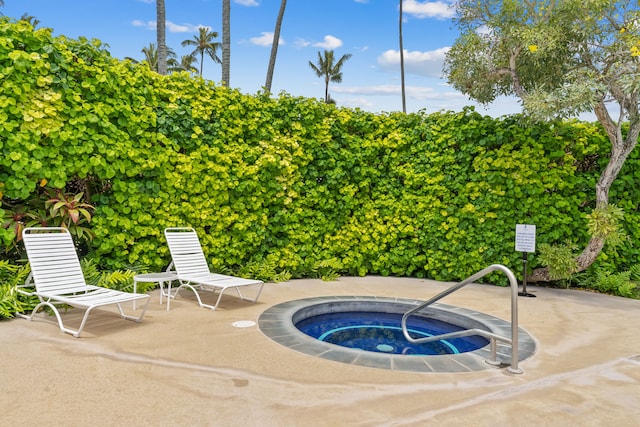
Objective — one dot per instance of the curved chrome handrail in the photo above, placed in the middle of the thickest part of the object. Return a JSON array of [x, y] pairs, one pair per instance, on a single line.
[[493, 337]]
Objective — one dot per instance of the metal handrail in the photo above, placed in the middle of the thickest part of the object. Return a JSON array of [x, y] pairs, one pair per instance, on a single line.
[[493, 337]]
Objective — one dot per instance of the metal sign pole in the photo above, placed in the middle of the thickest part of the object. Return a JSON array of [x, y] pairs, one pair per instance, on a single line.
[[524, 292], [525, 243]]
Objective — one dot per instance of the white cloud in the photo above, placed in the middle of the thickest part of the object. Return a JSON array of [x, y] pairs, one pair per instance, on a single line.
[[428, 9], [149, 25], [377, 98], [265, 39], [428, 64], [362, 103], [171, 27], [302, 43], [247, 2], [329, 43], [184, 28], [415, 92]]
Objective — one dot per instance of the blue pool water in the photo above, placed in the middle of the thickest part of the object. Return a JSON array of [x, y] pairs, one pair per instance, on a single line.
[[382, 333]]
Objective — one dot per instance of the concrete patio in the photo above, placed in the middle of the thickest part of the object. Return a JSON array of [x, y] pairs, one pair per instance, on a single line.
[[191, 366]]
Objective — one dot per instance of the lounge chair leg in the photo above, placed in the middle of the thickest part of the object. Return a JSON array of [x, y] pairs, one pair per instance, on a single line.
[[218, 301], [84, 320], [255, 299], [138, 319], [186, 285], [53, 308]]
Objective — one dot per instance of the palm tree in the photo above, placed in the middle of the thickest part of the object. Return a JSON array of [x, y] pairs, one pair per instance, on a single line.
[[326, 68], [404, 98], [274, 46], [187, 64], [226, 41], [151, 57], [161, 37], [204, 43]]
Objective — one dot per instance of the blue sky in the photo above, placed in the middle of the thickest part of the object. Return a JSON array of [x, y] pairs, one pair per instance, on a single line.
[[367, 29]]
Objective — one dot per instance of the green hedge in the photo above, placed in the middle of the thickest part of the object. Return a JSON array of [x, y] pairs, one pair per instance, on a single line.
[[288, 181]]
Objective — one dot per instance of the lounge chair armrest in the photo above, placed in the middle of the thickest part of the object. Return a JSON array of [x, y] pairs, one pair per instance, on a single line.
[[28, 288]]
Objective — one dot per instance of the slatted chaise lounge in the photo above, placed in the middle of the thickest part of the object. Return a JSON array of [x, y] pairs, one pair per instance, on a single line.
[[57, 277], [193, 271]]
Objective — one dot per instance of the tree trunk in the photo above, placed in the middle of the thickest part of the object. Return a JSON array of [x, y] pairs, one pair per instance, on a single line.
[[226, 42], [326, 89], [161, 37], [621, 147], [274, 47], [404, 98]]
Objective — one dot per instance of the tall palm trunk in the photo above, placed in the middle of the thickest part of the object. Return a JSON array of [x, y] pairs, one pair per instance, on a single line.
[[161, 37], [274, 46], [404, 98], [327, 78], [226, 42]]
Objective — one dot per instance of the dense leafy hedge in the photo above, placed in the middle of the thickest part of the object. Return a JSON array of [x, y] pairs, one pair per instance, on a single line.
[[288, 181]]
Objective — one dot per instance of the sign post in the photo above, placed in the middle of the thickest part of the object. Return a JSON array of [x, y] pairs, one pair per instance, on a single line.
[[525, 243]]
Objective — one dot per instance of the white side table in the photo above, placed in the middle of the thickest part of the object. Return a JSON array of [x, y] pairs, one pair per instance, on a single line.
[[159, 278]]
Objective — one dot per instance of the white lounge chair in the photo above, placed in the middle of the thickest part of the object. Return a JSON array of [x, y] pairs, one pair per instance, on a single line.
[[193, 271], [57, 277]]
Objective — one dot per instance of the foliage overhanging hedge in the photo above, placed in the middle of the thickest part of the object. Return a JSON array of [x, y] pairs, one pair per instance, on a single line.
[[290, 181]]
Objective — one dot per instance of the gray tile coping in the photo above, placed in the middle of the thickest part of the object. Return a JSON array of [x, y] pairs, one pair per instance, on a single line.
[[278, 324]]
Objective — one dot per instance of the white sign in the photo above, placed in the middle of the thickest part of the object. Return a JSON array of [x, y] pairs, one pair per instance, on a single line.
[[525, 238]]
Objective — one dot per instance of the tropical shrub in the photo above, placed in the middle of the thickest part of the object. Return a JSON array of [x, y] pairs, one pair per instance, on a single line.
[[623, 283], [10, 301]]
